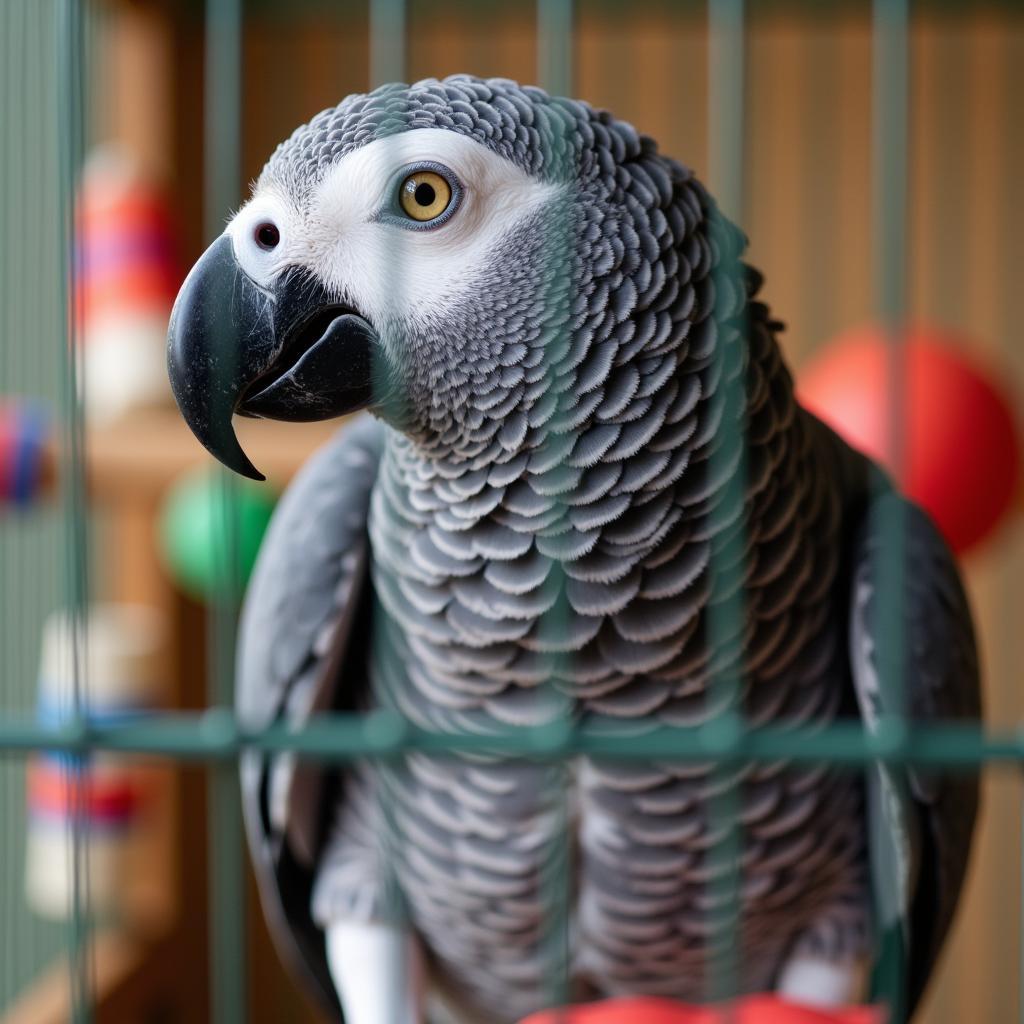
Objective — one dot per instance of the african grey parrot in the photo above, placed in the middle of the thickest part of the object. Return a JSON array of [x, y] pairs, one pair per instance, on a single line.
[[542, 315]]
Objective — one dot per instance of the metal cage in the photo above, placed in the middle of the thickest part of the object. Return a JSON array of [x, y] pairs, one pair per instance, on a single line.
[[935, 71]]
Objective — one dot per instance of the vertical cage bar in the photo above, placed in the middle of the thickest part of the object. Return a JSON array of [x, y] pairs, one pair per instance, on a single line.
[[389, 27], [70, 122], [890, 141], [387, 41], [226, 895], [726, 608], [554, 46], [726, 107], [33, 573], [890, 101], [555, 71]]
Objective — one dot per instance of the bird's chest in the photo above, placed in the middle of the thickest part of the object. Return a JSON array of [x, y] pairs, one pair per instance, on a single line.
[[462, 654], [503, 605], [628, 861], [483, 628]]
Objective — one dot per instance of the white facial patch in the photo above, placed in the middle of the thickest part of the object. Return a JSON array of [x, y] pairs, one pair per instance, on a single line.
[[348, 237], [261, 264]]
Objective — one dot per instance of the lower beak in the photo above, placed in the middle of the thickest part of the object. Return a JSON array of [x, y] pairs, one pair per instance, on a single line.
[[286, 353]]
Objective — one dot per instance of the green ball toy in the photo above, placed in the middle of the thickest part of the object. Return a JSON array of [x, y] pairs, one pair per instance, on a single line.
[[211, 527]]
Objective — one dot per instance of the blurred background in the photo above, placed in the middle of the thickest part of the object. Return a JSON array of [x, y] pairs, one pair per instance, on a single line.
[[133, 541]]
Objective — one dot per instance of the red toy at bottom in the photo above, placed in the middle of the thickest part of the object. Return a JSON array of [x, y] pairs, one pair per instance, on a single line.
[[759, 1009]]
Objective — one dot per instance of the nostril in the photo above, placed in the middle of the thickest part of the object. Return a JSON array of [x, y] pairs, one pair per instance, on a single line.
[[267, 235]]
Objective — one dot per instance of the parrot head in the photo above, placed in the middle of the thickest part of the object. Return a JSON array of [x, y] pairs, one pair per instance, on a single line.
[[449, 255]]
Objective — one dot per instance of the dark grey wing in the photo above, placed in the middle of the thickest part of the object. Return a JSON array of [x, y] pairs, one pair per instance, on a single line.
[[932, 815], [301, 649]]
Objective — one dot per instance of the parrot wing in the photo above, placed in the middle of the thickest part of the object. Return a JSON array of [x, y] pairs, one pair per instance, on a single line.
[[920, 823], [302, 650]]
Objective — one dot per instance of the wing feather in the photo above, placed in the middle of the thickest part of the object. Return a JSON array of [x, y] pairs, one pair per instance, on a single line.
[[301, 651], [933, 814]]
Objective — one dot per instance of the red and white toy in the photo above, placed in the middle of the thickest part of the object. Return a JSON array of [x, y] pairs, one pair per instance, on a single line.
[[126, 280]]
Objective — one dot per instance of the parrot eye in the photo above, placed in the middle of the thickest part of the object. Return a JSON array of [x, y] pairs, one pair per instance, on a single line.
[[425, 195], [267, 235]]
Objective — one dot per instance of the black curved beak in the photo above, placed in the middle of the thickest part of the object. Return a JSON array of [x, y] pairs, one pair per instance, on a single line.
[[289, 353]]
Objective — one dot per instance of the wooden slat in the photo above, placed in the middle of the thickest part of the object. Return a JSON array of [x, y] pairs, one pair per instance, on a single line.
[[140, 105], [777, 170]]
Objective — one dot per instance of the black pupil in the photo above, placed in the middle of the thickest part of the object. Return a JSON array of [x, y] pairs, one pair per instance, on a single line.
[[425, 194], [267, 236]]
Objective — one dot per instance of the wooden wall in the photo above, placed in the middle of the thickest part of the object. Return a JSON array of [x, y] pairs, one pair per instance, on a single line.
[[808, 219]]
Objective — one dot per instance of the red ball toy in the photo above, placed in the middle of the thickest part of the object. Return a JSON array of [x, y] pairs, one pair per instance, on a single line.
[[961, 452]]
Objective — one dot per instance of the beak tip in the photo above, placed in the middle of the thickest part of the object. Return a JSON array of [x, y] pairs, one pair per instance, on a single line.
[[231, 455]]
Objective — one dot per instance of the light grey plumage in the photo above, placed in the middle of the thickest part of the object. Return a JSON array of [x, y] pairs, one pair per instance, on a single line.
[[539, 511]]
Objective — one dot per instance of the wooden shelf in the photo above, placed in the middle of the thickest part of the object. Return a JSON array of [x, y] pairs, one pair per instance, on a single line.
[[129, 979], [140, 456]]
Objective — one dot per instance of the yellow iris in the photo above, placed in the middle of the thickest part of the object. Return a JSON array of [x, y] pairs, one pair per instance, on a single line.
[[425, 195]]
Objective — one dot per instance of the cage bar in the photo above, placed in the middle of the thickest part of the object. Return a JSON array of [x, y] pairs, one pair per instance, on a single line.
[[227, 892], [71, 144], [726, 609], [216, 736], [890, 125]]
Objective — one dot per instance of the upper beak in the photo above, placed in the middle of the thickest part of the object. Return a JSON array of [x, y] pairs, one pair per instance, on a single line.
[[289, 353]]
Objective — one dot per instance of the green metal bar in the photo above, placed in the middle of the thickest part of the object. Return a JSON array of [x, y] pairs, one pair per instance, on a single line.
[[387, 41], [726, 115], [71, 145], [890, 144], [341, 737], [226, 854], [890, 105], [222, 105], [14, 36], [554, 46], [388, 57], [726, 610], [33, 572], [15, 41], [554, 20]]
